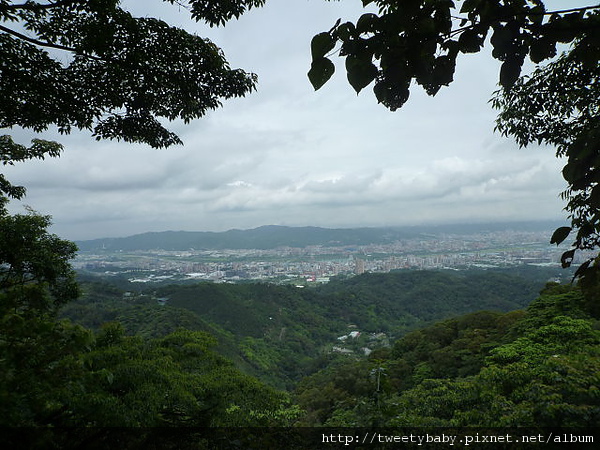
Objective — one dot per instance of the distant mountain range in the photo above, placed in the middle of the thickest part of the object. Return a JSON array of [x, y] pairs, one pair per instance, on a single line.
[[273, 236]]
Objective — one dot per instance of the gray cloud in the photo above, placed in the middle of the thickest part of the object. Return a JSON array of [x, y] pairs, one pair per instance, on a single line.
[[289, 155]]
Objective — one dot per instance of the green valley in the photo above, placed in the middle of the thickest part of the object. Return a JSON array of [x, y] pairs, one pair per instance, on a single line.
[[282, 333]]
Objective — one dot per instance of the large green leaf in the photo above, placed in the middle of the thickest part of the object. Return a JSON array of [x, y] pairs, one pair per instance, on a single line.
[[469, 5], [361, 72], [345, 31], [367, 23], [560, 234], [392, 95], [470, 41], [573, 170], [321, 44], [567, 258], [595, 197], [443, 72], [542, 49], [582, 269], [320, 72], [501, 40], [510, 71]]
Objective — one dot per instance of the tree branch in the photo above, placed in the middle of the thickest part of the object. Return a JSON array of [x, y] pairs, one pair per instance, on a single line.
[[564, 11], [33, 6], [547, 13], [45, 44]]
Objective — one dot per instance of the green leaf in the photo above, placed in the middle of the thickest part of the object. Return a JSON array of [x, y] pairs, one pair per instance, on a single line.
[[345, 31], [501, 41], [361, 72], [469, 5], [542, 49], [321, 44], [392, 95], [581, 270], [573, 171], [510, 71], [470, 41], [367, 23], [320, 72], [536, 14], [595, 197], [567, 258], [559, 235], [443, 72]]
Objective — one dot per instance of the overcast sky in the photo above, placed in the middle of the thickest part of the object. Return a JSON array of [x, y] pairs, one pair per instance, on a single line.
[[287, 155]]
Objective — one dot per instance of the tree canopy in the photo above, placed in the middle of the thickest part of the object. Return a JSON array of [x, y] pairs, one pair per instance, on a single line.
[[91, 65], [533, 368], [418, 42], [558, 105]]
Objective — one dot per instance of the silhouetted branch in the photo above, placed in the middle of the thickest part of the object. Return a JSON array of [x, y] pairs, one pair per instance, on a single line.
[[44, 43]]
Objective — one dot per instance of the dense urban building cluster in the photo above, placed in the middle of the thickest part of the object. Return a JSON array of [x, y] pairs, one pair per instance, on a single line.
[[317, 263]]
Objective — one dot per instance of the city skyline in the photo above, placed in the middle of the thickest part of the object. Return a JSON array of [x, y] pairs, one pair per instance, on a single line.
[[316, 263]]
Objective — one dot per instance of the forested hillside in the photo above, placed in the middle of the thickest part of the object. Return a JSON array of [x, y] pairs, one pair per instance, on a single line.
[[538, 367], [259, 355], [282, 333], [85, 363]]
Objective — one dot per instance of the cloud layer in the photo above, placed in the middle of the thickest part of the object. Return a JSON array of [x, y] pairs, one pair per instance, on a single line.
[[289, 155]]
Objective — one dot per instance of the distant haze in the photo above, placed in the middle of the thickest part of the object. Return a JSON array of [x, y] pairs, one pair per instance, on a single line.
[[273, 236]]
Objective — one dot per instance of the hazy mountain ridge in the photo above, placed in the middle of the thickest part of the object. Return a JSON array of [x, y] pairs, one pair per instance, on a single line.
[[273, 236]]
